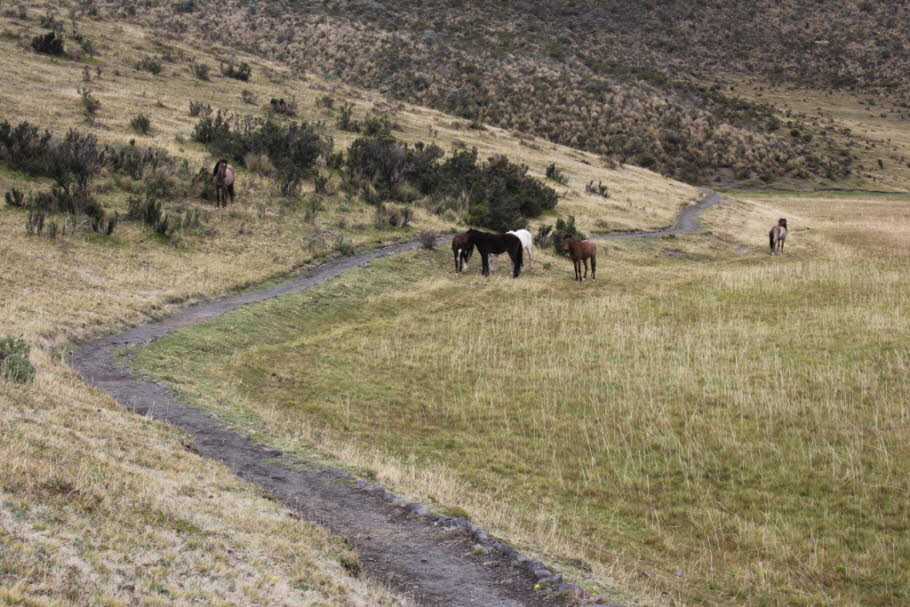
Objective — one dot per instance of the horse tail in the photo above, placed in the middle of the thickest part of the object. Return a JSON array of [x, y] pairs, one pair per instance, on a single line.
[[771, 236]]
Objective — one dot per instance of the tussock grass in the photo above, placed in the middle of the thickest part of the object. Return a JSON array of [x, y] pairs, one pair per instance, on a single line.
[[705, 420]]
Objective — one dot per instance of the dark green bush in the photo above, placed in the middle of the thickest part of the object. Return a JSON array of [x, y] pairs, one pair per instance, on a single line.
[[293, 149], [147, 64], [555, 173], [50, 43], [141, 124], [14, 363], [563, 229], [15, 198]]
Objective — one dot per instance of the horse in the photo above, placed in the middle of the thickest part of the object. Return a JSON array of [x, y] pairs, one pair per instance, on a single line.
[[527, 242], [462, 249], [223, 176], [581, 252], [778, 235], [495, 244]]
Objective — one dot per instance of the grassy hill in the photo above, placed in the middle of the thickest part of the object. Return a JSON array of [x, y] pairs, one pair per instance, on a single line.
[[595, 76]]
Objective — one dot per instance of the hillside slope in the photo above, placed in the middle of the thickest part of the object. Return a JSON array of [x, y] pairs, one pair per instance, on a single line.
[[611, 78], [99, 506]]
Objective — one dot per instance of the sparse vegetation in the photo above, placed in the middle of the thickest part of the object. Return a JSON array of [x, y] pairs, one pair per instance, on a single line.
[[14, 363], [141, 124], [50, 43], [241, 71], [147, 64]]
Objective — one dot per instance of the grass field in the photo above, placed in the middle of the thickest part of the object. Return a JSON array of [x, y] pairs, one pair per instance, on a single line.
[[101, 507], [702, 424]]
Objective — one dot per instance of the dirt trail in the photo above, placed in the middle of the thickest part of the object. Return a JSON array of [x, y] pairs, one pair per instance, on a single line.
[[427, 557], [687, 222]]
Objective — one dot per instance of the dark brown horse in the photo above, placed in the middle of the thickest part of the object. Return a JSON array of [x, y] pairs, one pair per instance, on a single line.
[[493, 244], [223, 176], [778, 235], [580, 252], [462, 249]]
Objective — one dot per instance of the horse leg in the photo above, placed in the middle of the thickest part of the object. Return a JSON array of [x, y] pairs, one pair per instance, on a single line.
[[593, 267], [517, 261], [585, 261], [231, 192], [485, 263], [575, 264], [456, 253]]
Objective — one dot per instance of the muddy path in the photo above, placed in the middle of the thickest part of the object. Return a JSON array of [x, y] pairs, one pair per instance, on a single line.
[[434, 560]]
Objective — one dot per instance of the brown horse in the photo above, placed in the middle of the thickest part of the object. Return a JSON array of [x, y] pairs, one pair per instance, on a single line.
[[778, 235], [581, 252], [223, 176], [493, 244], [462, 248]]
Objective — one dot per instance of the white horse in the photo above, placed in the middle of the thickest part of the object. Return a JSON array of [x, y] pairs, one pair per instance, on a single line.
[[527, 243]]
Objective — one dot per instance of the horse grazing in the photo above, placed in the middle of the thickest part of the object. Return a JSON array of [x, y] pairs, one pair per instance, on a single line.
[[224, 182], [462, 249], [493, 244], [580, 252], [527, 242], [778, 235]]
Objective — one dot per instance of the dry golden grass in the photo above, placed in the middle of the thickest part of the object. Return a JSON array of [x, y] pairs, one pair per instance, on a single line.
[[98, 506], [880, 128], [704, 424]]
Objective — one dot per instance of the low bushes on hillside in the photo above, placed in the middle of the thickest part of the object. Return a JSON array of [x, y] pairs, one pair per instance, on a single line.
[[496, 193], [73, 161], [292, 149]]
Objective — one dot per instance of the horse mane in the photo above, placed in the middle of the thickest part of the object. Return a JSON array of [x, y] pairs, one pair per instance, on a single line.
[[218, 164]]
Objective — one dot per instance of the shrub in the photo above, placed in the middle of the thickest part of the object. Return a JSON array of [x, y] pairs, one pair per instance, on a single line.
[[34, 223], [200, 70], [239, 72], [563, 229], [14, 363], [427, 240], [141, 124], [326, 101], [15, 198], [50, 43], [321, 183], [600, 189], [555, 173], [293, 149], [248, 97], [90, 103], [287, 107], [394, 216], [345, 120], [200, 109], [147, 64], [259, 163]]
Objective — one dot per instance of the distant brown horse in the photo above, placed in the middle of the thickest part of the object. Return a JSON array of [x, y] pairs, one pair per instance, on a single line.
[[581, 252], [778, 235], [223, 176], [462, 248]]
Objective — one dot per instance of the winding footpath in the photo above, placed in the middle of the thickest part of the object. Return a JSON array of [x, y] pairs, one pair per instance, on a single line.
[[432, 559]]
